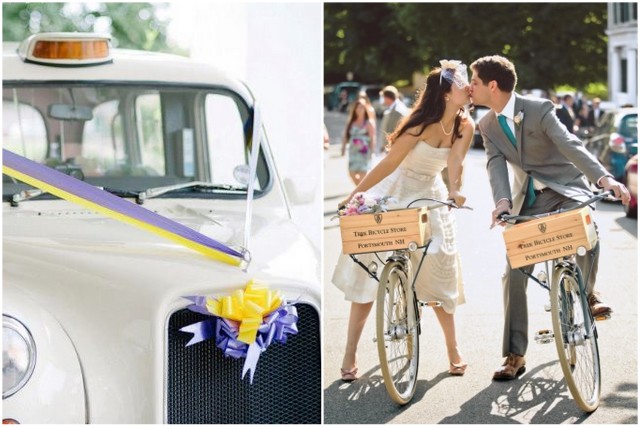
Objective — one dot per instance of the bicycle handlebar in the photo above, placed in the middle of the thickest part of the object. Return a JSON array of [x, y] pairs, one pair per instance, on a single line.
[[504, 217], [449, 203]]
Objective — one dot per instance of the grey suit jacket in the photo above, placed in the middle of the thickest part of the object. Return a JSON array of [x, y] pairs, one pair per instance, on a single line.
[[545, 151], [390, 119]]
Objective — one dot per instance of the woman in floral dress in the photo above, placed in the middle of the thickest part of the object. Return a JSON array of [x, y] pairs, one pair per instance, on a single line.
[[360, 135]]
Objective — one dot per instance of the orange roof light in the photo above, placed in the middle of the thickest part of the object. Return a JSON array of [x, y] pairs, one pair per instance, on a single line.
[[66, 49]]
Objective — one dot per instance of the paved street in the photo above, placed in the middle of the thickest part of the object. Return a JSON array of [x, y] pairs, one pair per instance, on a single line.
[[540, 395]]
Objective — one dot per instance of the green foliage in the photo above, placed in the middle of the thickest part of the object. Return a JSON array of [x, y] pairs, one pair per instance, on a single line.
[[599, 90], [360, 37], [549, 43], [131, 25]]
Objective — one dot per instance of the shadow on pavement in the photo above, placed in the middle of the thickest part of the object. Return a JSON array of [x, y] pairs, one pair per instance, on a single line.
[[536, 398], [625, 396], [533, 399], [627, 224], [366, 401]]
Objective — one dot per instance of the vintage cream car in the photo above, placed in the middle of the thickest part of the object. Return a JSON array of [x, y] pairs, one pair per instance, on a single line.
[[92, 306]]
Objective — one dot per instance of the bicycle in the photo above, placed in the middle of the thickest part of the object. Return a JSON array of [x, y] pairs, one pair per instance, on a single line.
[[398, 314], [574, 328]]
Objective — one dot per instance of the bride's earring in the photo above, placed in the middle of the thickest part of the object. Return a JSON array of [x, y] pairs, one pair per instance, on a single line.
[[446, 98]]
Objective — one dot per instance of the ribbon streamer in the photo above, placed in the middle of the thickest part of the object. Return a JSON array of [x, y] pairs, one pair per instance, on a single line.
[[86, 195]]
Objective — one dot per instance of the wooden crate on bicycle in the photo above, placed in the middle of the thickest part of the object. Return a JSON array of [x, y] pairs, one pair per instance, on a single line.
[[384, 231], [550, 237]]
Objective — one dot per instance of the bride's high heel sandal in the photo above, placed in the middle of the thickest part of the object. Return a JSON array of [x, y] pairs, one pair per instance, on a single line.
[[349, 376], [457, 369]]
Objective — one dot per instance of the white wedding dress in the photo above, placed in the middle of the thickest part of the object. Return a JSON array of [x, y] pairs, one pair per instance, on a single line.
[[440, 278]]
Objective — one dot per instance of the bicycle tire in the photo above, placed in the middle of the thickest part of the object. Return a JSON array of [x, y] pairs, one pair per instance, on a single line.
[[397, 332], [577, 347]]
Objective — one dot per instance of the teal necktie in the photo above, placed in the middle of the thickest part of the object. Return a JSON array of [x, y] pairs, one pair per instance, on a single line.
[[531, 195]]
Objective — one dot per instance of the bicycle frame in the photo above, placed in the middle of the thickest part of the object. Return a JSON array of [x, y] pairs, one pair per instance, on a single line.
[[567, 262]]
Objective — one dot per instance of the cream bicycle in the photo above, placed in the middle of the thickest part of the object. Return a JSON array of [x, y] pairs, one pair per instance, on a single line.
[[574, 328], [398, 314]]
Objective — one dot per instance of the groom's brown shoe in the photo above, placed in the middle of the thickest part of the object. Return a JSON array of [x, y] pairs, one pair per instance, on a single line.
[[598, 307], [511, 369]]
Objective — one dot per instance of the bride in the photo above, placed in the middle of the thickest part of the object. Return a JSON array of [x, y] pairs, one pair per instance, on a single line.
[[437, 134]]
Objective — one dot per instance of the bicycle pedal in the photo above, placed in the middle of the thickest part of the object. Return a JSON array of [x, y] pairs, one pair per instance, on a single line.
[[544, 336], [431, 303], [606, 316]]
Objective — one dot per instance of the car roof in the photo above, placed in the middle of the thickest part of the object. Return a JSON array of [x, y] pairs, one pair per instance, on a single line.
[[127, 66]]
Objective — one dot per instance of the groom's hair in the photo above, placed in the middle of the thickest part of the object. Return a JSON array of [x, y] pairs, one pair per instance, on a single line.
[[498, 68]]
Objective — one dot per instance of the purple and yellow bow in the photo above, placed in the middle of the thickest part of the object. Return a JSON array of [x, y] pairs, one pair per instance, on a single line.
[[245, 323]]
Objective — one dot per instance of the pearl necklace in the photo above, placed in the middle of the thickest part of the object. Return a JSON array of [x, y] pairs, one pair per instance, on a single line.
[[444, 131]]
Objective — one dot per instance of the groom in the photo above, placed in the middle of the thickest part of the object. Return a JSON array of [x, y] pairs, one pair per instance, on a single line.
[[551, 170]]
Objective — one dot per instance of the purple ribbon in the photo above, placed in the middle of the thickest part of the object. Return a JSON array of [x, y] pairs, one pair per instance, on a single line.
[[107, 200], [274, 328]]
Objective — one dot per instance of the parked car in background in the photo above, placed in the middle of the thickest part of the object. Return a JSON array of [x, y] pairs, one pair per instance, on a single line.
[[615, 139], [92, 306], [631, 181], [342, 95], [477, 114]]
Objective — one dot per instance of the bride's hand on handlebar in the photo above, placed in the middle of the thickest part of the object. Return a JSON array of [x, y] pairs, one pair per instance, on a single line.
[[343, 203], [457, 198]]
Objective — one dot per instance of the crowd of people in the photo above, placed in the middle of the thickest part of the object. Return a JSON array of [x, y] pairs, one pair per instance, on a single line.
[[580, 116]]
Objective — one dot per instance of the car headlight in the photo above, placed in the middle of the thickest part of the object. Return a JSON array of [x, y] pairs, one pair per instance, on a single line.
[[18, 355]]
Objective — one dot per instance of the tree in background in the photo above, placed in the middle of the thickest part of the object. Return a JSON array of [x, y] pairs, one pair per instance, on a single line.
[[368, 40], [131, 25], [550, 44]]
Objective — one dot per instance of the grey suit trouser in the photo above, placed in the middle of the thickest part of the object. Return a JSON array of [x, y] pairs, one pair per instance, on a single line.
[[515, 282]]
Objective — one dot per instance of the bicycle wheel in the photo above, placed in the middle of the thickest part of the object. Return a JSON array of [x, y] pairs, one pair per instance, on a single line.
[[576, 339], [397, 332]]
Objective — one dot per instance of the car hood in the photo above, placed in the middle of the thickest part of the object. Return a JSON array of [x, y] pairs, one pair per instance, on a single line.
[[113, 287], [67, 244]]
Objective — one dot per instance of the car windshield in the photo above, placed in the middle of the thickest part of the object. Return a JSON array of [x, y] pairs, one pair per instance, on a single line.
[[133, 137]]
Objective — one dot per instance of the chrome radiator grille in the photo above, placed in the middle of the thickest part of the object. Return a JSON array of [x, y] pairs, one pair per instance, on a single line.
[[204, 386]]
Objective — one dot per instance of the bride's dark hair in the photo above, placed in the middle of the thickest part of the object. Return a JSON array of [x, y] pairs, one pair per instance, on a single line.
[[429, 108]]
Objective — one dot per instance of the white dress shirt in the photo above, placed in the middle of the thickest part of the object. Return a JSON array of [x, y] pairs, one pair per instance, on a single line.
[[509, 112]]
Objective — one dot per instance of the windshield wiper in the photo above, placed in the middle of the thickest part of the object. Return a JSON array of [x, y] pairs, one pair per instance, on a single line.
[[16, 198], [29, 194], [201, 185]]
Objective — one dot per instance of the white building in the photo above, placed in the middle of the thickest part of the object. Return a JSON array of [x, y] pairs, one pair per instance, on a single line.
[[622, 29]]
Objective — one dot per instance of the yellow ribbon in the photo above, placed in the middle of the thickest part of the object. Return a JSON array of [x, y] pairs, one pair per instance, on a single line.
[[205, 250], [248, 307]]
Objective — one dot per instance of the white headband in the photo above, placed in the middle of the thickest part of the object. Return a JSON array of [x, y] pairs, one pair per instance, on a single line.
[[455, 72]]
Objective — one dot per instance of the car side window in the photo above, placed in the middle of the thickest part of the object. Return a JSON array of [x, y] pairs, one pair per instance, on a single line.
[[23, 130], [225, 137]]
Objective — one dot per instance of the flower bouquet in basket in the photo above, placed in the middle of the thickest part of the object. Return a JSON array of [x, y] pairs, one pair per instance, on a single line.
[[382, 230], [361, 203]]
